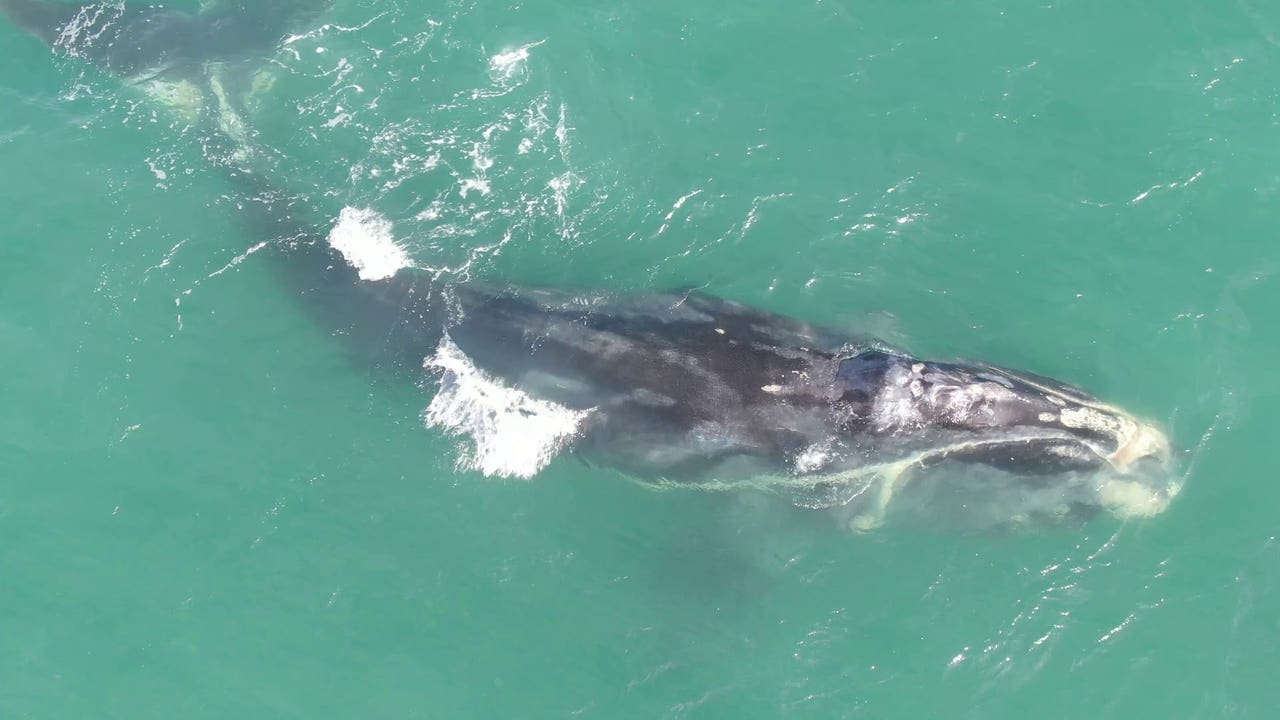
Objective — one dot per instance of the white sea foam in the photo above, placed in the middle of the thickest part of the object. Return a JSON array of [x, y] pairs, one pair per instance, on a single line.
[[812, 458], [509, 65], [513, 434], [364, 238]]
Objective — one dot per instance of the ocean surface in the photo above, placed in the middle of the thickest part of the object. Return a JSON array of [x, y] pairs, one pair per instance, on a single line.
[[208, 510]]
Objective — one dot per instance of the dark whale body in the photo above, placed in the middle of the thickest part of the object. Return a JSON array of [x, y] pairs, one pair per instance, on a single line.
[[133, 38], [690, 389], [676, 387]]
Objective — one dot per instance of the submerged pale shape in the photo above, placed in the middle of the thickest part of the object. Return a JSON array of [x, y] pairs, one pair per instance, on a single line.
[[364, 238], [513, 434]]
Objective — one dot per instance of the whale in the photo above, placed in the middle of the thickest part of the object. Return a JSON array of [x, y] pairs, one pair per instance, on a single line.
[[685, 389], [676, 388], [198, 65], [134, 39]]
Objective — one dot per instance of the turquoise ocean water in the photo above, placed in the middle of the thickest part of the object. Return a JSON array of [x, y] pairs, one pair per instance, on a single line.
[[208, 511]]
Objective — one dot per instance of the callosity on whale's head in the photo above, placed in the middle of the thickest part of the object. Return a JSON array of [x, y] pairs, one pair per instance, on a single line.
[[965, 420]]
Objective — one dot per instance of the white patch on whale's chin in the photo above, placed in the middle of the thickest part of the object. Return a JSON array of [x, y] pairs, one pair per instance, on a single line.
[[1126, 498], [364, 239], [513, 434], [182, 97]]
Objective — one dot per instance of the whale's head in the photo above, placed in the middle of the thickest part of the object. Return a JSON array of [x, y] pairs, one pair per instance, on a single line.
[[1034, 433]]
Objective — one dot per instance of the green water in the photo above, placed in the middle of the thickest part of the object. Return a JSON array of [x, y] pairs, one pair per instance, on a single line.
[[208, 511]]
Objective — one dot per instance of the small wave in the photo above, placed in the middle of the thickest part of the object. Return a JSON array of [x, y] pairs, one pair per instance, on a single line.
[[514, 435], [508, 66], [87, 27], [364, 238]]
